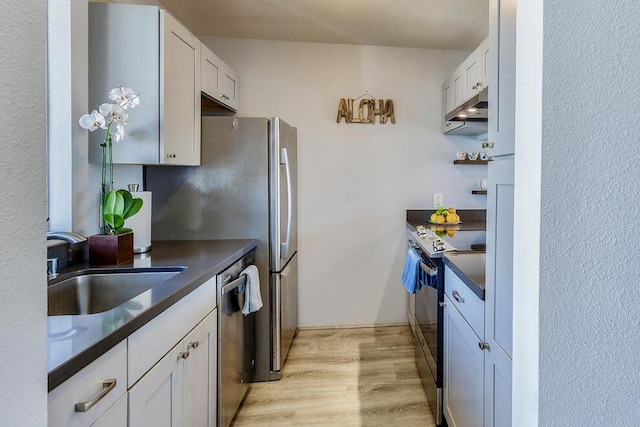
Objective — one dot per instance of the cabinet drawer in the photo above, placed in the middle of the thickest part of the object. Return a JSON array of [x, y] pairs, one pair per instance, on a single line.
[[151, 342], [468, 304], [86, 385]]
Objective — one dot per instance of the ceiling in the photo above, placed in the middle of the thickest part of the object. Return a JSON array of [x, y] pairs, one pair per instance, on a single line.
[[431, 24]]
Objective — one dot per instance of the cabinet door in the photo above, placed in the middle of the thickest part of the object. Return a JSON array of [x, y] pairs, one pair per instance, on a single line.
[[499, 291], [502, 96], [485, 64], [463, 371], [201, 374], [458, 87], [210, 72], [229, 87], [157, 399], [180, 94], [116, 416], [471, 69]]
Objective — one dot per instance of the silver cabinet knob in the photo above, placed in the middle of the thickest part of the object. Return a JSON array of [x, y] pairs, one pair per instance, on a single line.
[[183, 355], [442, 304], [193, 344], [457, 296], [487, 144], [483, 345]]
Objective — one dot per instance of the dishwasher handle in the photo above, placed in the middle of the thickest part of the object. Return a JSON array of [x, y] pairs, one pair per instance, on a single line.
[[234, 284]]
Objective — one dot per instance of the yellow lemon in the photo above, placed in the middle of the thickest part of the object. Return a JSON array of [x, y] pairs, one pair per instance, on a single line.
[[439, 219], [452, 210], [451, 217], [433, 217], [457, 218]]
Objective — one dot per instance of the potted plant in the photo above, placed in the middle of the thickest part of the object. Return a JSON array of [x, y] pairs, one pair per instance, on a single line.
[[115, 243]]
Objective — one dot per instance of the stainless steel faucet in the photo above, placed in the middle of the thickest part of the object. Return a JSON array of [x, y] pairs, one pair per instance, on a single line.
[[77, 251], [52, 268], [67, 236]]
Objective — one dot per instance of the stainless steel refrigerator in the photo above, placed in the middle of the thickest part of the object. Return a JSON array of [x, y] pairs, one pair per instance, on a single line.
[[246, 187]]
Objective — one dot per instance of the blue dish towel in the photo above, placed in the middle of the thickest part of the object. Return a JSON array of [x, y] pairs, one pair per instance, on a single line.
[[410, 276], [252, 297]]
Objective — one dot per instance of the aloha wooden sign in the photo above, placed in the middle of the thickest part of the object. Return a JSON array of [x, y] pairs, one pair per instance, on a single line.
[[367, 111]]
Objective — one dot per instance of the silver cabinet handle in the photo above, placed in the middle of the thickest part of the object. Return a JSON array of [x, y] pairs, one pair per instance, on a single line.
[[443, 304], [477, 86], [193, 344], [457, 296], [107, 386], [483, 345], [183, 355], [487, 144]]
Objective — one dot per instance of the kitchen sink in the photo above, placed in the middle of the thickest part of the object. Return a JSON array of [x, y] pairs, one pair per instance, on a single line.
[[91, 293]]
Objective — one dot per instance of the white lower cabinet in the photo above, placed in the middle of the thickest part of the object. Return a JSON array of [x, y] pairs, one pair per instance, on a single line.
[[180, 390], [201, 374], [499, 292], [88, 395], [463, 373], [169, 367], [115, 416]]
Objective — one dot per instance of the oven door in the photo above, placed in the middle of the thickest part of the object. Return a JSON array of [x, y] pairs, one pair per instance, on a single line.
[[427, 311]]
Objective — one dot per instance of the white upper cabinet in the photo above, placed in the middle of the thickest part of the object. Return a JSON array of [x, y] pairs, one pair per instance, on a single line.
[[470, 78], [160, 59], [218, 80], [474, 71], [502, 96]]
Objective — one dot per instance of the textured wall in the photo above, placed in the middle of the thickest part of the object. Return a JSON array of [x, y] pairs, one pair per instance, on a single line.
[[526, 263], [355, 181], [588, 255], [23, 372]]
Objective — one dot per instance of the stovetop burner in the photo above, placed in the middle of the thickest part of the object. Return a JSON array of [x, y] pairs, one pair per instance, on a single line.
[[437, 239]]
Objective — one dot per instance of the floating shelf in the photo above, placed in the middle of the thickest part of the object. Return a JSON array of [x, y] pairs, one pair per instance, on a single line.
[[470, 162], [479, 192]]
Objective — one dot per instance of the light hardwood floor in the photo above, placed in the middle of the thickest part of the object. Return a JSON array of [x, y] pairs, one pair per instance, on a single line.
[[343, 377]]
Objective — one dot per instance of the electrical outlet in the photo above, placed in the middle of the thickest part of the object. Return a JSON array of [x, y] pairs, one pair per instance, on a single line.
[[438, 200]]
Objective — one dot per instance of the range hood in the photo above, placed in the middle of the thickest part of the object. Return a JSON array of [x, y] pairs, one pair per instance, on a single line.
[[470, 118], [474, 110]]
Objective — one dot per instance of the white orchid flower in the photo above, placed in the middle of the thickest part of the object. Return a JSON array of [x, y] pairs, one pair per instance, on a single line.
[[112, 112], [117, 132], [125, 97], [93, 121]]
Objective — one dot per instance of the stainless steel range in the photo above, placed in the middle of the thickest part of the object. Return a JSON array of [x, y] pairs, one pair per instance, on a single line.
[[426, 305]]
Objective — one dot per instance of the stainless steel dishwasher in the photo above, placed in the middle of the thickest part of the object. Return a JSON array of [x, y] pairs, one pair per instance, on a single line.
[[236, 348]]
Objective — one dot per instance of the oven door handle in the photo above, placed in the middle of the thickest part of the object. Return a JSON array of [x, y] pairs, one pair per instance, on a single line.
[[431, 271]]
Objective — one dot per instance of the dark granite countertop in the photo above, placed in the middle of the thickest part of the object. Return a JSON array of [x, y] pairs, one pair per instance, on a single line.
[[471, 219], [75, 341], [469, 267]]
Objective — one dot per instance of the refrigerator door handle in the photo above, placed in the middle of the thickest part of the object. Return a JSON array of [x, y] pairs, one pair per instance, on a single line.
[[277, 320], [284, 247]]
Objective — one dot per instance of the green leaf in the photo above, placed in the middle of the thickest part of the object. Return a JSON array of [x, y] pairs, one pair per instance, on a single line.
[[114, 221], [123, 230], [128, 199], [113, 203], [136, 205], [109, 220]]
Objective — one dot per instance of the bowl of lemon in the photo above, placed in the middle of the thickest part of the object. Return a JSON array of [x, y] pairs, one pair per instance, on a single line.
[[444, 216]]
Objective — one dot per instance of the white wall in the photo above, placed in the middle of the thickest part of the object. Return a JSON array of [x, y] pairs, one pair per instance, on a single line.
[[587, 298], [356, 181], [23, 394], [74, 183]]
